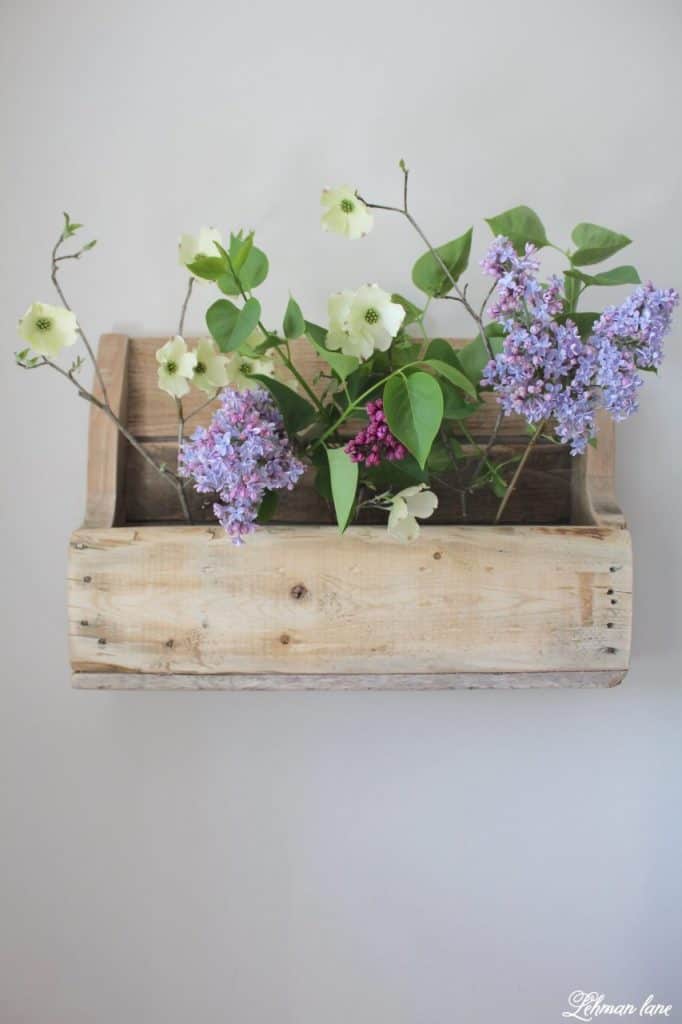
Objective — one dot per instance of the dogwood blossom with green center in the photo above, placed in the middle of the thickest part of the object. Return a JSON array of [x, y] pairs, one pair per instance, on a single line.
[[176, 366], [344, 213], [407, 506], [201, 244], [363, 322], [48, 329], [210, 370], [240, 370]]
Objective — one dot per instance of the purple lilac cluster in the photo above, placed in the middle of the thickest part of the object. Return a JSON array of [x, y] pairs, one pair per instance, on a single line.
[[546, 370], [375, 442], [244, 453]]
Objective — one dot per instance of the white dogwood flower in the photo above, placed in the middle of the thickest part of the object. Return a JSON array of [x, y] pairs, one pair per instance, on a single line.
[[363, 322], [201, 244], [240, 370], [210, 370], [48, 329], [176, 366], [344, 213], [407, 506]]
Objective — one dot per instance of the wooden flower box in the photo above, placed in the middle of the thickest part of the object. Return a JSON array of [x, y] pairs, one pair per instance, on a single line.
[[153, 604]]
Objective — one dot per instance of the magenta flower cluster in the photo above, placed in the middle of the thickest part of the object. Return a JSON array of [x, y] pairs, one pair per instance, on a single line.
[[244, 453], [546, 370], [375, 442]]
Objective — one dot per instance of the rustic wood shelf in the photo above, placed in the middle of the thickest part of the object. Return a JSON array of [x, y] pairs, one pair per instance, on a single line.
[[154, 604]]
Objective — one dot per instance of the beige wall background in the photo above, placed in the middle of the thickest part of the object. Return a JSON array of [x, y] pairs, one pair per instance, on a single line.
[[304, 858]]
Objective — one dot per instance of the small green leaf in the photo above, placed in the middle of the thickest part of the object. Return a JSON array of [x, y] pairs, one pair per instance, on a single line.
[[240, 249], [247, 321], [344, 484], [519, 225], [253, 273], [595, 244], [455, 376], [296, 412], [221, 318], [267, 507], [619, 275], [428, 274], [209, 268], [293, 324], [342, 365], [90, 245], [474, 356], [441, 349], [414, 411], [412, 312]]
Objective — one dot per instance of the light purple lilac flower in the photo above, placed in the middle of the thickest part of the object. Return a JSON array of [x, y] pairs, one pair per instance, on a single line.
[[244, 453], [375, 442], [546, 370]]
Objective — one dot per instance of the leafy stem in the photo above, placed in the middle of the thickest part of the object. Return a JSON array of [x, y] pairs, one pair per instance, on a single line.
[[517, 472]]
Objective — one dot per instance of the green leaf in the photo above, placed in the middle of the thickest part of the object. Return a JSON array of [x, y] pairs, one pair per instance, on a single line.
[[571, 290], [595, 244], [209, 268], [89, 246], [428, 274], [341, 365], [221, 318], [296, 412], [240, 249], [344, 484], [443, 350], [455, 376], [519, 225], [412, 312], [455, 407], [404, 352], [247, 321], [414, 411], [619, 275], [474, 356], [267, 507], [253, 273], [293, 324]]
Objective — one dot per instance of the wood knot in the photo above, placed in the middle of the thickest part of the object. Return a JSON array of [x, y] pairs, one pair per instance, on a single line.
[[84, 622], [87, 579], [169, 643], [298, 591], [101, 641], [285, 639], [438, 555]]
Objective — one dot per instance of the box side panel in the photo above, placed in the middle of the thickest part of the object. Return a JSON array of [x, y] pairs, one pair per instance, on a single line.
[[306, 601]]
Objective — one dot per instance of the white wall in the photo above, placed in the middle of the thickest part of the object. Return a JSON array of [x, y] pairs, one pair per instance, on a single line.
[[304, 858]]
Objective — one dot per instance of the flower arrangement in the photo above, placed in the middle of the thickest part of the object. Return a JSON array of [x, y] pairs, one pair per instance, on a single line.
[[405, 396]]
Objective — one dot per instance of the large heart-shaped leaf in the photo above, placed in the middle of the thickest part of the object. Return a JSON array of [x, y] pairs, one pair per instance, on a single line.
[[595, 244], [429, 274], [247, 321], [221, 318], [344, 484], [253, 273], [519, 225], [414, 410]]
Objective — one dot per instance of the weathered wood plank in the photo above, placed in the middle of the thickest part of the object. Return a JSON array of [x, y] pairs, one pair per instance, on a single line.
[[543, 495], [441, 681], [305, 601], [106, 445], [151, 412], [593, 484]]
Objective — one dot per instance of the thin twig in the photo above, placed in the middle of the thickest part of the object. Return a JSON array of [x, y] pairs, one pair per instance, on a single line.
[[185, 304], [60, 293], [517, 473], [181, 435], [460, 293]]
